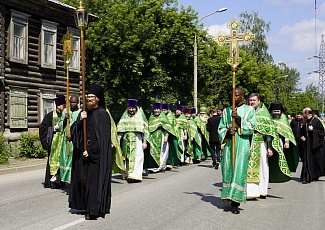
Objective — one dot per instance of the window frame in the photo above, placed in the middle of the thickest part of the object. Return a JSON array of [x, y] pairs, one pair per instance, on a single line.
[[48, 27], [20, 19], [45, 94], [18, 92]]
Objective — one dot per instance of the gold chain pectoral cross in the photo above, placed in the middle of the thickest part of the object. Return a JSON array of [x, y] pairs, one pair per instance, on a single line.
[[67, 54], [234, 60]]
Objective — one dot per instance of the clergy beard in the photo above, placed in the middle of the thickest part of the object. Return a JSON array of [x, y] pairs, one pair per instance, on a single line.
[[276, 116]]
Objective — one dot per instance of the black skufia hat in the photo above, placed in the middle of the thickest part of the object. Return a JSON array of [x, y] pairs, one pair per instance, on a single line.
[[97, 90], [60, 101], [276, 106]]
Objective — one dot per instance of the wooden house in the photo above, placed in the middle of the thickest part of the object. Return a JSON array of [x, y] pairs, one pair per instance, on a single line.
[[32, 67]]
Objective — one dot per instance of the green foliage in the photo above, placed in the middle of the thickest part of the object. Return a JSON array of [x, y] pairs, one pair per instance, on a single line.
[[144, 49], [4, 151], [30, 146]]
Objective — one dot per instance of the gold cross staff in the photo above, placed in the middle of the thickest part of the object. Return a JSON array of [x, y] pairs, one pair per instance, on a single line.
[[67, 54], [234, 60]]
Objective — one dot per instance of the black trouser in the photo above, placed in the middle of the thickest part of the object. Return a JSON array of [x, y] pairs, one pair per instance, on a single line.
[[216, 149]]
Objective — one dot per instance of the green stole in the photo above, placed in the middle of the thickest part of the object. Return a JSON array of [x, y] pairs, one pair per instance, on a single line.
[[117, 157], [65, 157], [157, 125], [56, 146], [194, 147], [284, 129], [181, 124], [130, 126], [205, 147], [279, 170], [234, 180], [174, 157]]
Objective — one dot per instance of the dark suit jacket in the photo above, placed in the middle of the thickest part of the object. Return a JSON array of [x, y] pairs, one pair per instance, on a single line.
[[212, 127]]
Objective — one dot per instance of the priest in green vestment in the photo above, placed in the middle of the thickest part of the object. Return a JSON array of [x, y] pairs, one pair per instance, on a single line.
[[134, 134], [201, 121], [160, 130], [66, 155], [234, 178], [181, 132], [287, 139], [173, 157], [51, 138], [194, 139], [265, 139]]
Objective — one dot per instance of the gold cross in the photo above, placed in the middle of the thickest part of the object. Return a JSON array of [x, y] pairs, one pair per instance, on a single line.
[[233, 38]]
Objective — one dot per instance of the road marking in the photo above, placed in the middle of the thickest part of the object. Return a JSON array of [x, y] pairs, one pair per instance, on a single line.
[[70, 224]]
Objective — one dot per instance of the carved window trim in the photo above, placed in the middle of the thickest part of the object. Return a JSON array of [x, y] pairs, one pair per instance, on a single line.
[[48, 44], [18, 40], [47, 97]]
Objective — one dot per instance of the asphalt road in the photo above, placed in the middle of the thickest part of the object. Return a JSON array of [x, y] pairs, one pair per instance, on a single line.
[[186, 197]]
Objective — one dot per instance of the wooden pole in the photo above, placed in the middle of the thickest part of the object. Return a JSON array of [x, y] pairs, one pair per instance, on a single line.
[[67, 106], [233, 124], [83, 79]]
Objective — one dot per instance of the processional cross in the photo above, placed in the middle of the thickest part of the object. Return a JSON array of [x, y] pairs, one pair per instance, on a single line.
[[234, 60], [67, 54]]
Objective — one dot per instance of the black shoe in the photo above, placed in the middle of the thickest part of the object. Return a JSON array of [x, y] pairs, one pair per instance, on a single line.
[[217, 165], [235, 210], [90, 217]]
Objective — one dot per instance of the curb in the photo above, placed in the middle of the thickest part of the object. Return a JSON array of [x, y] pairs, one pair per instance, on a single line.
[[18, 169]]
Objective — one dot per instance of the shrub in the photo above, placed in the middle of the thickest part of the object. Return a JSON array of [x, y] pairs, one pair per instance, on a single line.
[[4, 150], [30, 146]]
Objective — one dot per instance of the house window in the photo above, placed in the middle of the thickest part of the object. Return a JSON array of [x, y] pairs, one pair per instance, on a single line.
[[46, 103], [18, 108], [18, 37], [75, 59], [48, 44]]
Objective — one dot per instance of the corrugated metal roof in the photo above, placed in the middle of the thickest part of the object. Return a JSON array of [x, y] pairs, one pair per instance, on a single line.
[[62, 4]]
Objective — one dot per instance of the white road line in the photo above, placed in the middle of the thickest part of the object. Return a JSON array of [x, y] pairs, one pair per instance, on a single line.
[[70, 224]]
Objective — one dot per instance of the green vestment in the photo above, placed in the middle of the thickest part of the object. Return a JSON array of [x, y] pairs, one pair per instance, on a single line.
[[194, 148], [157, 125], [66, 156], [205, 136], [117, 157], [181, 127], [173, 157], [279, 170], [130, 126], [284, 129], [234, 179], [56, 146]]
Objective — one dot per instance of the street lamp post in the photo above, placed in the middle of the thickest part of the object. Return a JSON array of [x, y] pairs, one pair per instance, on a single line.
[[195, 56], [81, 19]]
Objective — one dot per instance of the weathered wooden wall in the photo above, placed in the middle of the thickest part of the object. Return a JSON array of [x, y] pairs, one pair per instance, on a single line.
[[33, 76]]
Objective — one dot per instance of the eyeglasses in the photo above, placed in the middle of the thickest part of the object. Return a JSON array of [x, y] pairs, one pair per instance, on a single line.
[[90, 96]]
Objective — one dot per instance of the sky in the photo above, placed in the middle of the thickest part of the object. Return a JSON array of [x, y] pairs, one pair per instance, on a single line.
[[296, 29]]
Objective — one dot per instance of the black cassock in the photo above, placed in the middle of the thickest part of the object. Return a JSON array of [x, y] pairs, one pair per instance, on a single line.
[[313, 151], [91, 176], [46, 134]]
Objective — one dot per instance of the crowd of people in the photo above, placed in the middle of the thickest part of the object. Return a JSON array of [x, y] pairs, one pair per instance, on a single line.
[[254, 144]]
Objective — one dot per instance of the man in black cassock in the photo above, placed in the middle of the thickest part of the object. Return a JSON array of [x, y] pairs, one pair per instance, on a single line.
[[296, 126], [47, 129], [313, 155], [92, 167]]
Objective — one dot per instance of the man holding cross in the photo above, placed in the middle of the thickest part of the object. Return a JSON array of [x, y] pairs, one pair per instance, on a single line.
[[234, 168]]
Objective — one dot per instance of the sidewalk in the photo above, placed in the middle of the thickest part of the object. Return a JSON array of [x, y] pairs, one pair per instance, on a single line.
[[15, 165]]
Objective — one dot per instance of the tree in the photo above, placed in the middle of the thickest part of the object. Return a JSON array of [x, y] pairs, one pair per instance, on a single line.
[[258, 47]]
